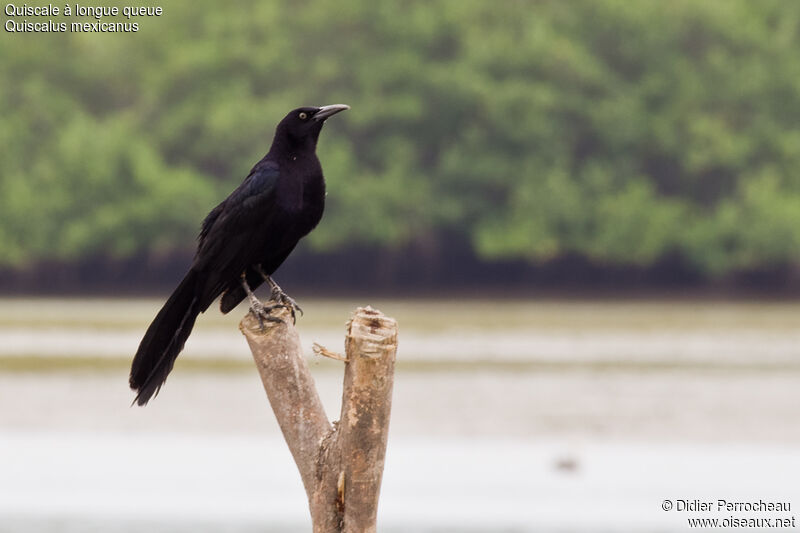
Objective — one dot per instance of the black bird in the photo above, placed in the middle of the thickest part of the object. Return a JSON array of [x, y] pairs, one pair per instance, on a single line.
[[242, 242]]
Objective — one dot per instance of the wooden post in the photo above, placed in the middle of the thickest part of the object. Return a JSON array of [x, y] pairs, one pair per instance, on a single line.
[[341, 464]]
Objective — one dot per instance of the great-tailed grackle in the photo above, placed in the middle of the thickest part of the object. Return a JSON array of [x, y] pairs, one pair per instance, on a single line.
[[242, 242]]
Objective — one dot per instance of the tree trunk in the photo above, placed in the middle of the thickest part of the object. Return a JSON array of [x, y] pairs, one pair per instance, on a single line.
[[341, 464]]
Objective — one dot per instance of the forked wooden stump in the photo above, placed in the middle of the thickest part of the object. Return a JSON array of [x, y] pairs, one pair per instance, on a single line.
[[341, 464]]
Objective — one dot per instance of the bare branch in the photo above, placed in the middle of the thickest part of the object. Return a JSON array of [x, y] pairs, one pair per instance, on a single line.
[[341, 465], [290, 389], [366, 406]]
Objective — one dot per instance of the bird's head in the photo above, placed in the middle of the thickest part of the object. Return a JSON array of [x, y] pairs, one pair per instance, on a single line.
[[300, 128]]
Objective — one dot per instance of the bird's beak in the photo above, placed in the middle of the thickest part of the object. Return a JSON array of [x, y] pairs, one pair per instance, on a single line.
[[329, 110]]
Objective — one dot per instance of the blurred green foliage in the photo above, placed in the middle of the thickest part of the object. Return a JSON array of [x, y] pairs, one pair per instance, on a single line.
[[620, 131]]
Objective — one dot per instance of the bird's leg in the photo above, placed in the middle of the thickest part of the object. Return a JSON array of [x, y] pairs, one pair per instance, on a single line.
[[277, 294], [256, 307]]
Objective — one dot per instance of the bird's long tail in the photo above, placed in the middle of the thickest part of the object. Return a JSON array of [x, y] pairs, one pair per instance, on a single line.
[[164, 339]]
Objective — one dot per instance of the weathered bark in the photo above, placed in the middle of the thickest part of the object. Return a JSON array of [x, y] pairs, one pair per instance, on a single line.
[[341, 465]]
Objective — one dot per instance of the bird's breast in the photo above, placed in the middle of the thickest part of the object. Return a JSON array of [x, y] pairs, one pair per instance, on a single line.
[[301, 201]]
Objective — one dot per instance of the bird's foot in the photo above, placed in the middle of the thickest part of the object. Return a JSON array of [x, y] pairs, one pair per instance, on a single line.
[[262, 312], [281, 298], [259, 310], [284, 300]]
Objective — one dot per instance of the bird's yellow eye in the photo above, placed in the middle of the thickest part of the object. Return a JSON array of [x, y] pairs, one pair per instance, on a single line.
[[303, 115]]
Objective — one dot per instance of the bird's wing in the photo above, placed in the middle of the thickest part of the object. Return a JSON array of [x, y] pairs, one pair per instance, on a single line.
[[234, 213], [208, 223], [229, 232]]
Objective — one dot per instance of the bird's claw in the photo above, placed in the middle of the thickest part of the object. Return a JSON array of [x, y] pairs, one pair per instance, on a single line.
[[262, 313], [284, 300], [287, 301], [277, 295]]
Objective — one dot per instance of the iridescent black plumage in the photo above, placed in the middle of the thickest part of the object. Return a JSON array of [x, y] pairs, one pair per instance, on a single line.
[[255, 228]]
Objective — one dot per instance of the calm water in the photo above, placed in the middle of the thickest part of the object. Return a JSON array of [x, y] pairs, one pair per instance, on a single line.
[[507, 416]]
